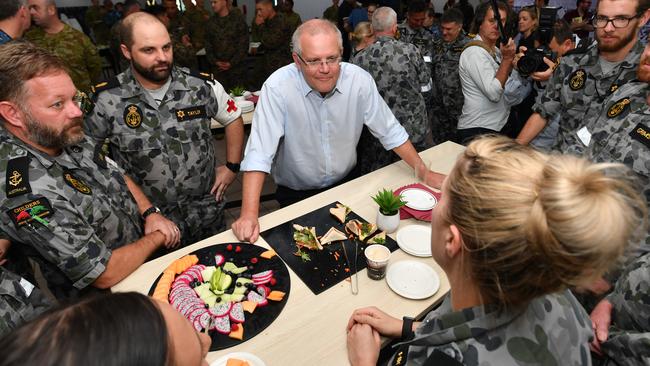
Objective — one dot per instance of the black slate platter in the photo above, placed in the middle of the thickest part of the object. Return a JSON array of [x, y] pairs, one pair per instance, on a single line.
[[263, 316], [323, 270]]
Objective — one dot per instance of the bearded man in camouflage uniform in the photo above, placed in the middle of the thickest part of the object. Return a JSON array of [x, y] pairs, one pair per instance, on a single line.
[[447, 93], [584, 80], [227, 46], [157, 118], [72, 210], [78, 51], [401, 76]]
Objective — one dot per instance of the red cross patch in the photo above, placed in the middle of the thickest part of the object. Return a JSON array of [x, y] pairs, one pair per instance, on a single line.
[[231, 106]]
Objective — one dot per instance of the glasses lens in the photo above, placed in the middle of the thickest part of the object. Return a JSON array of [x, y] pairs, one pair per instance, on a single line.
[[620, 22]]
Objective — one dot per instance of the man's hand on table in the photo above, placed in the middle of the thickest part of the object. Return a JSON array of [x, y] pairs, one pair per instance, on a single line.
[[385, 324], [246, 228], [363, 345], [158, 222], [601, 318], [224, 177]]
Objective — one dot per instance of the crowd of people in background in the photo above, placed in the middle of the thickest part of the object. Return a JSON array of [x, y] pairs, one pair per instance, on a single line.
[[108, 158]]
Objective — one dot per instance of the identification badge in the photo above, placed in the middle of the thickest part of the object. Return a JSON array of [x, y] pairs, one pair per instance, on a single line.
[[133, 116], [577, 80], [427, 58], [190, 113], [27, 286], [619, 107], [584, 135], [641, 133], [76, 183]]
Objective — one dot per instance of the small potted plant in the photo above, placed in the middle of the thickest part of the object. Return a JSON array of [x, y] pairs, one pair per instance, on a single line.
[[238, 93], [388, 214]]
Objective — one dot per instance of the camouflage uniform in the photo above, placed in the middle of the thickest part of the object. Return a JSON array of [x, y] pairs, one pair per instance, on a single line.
[[331, 13], [20, 301], [228, 42], [293, 20], [628, 343], [95, 21], [195, 20], [447, 92], [401, 76], [275, 37], [167, 149], [76, 49], [577, 90], [551, 330], [184, 56], [65, 212]]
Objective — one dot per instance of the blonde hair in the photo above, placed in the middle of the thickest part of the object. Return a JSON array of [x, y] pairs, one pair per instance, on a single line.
[[362, 31], [533, 223]]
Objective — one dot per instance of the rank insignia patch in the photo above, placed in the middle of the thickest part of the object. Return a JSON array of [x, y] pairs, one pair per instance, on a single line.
[[36, 210], [133, 116], [641, 133], [618, 107], [18, 177], [577, 80], [190, 113], [76, 183]]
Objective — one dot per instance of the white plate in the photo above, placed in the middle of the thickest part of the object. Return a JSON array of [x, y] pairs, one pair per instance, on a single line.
[[415, 240], [245, 106], [412, 279], [418, 199], [244, 356]]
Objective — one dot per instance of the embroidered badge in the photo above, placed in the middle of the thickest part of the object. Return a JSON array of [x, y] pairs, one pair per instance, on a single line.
[[618, 107], [17, 182], [577, 80], [641, 133], [190, 113], [133, 116], [232, 107], [36, 210], [76, 183], [613, 88]]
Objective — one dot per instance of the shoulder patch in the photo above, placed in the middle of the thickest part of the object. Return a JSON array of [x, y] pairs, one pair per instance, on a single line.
[[641, 133], [104, 85], [35, 210], [199, 74], [577, 79], [76, 183], [18, 177], [617, 108]]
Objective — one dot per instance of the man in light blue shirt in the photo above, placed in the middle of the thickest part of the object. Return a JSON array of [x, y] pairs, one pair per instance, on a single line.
[[308, 122]]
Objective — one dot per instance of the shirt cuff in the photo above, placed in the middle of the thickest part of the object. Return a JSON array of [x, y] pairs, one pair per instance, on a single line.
[[98, 267], [252, 163]]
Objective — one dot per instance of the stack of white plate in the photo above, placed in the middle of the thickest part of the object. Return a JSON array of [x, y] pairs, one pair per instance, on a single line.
[[245, 106]]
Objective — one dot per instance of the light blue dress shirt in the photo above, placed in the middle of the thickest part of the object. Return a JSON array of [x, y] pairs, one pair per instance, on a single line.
[[307, 141]]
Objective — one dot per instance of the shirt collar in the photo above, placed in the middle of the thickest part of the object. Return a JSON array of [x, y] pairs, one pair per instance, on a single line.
[[132, 88]]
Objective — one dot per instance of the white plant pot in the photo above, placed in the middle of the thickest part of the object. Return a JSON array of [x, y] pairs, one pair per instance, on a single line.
[[387, 223], [239, 99]]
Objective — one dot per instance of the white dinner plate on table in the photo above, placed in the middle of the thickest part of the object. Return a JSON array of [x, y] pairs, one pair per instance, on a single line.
[[415, 240], [418, 199], [245, 106], [244, 356], [412, 279]]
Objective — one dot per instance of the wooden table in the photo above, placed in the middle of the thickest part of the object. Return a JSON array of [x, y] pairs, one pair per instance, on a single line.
[[311, 328]]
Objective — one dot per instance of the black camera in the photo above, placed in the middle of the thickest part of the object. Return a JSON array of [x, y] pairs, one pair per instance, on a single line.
[[533, 60]]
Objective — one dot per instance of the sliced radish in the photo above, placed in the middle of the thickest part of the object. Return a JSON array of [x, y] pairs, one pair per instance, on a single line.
[[237, 313], [221, 309], [219, 260], [222, 324]]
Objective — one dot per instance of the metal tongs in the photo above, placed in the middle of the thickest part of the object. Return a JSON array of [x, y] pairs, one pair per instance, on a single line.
[[354, 284]]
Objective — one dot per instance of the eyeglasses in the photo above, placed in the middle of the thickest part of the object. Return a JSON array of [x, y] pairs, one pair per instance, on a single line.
[[618, 22], [330, 61]]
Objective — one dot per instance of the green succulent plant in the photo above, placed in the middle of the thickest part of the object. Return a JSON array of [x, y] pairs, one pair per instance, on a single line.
[[237, 91], [389, 203]]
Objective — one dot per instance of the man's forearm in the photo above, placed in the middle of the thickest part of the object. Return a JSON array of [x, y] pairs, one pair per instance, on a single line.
[[235, 140], [125, 260], [140, 198], [532, 128], [407, 152], [504, 71], [252, 189]]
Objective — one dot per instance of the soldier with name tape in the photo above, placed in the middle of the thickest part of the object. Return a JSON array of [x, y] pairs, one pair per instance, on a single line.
[[156, 120], [63, 203]]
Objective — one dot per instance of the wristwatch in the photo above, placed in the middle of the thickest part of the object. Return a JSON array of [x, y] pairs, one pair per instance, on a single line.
[[149, 211], [234, 167], [407, 328]]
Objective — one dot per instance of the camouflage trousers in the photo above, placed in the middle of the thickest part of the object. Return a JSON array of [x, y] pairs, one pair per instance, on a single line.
[[197, 219], [443, 127]]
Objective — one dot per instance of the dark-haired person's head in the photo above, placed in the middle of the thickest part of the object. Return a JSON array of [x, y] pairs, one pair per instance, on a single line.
[[451, 24], [130, 7], [147, 45], [583, 4], [160, 13], [562, 41], [485, 24], [121, 329], [43, 12], [14, 17], [416, 14]]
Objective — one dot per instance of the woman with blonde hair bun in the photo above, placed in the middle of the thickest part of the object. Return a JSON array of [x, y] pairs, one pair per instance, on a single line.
[[515, 228], [362, 37]]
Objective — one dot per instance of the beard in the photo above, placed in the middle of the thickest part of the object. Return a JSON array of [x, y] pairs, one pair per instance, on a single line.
[[151, 73], [643, 72], [50, 138], [619, 44]]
